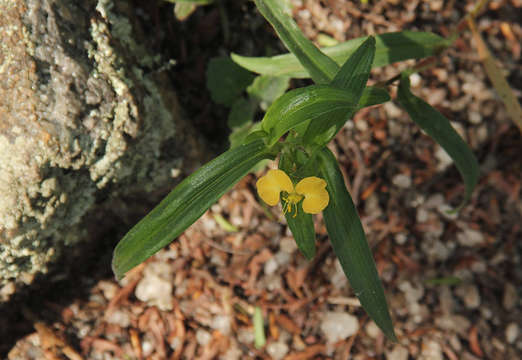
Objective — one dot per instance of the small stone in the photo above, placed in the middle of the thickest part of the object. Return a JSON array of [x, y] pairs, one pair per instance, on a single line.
[[271, 266], [392, 110], [470, 295], [203, 337], [470, 238], [155, 291], [108, 288], [512, 332], [288, 245], [474, 117], [277, 350], [221, 323], [361, 125], [400, 238], [422, 215], [443, 158], [482, 134], [509, 300], [399, 352], [436, 5], [338, 326], [412, 294], [245, 336], [402, 181], [372, 330], [431, 350], [120, 318], [415, 80]]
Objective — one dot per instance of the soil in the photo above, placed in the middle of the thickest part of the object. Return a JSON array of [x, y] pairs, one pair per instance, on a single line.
[[453, 281]]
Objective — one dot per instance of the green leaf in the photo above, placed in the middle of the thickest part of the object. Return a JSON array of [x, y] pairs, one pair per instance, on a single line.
[[390, 48], [321, 68], [259, 328], [315, 102], [266, 89], [440, 129], [350, 246], [354, 73], [302, 227], [372, 96], [226, 80], [183, 10], [241, 112], [300, 223], [352, 77], [185, 204]]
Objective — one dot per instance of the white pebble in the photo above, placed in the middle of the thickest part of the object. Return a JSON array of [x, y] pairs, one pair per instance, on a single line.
[[155, 291], [338, 326], [431, 350], [221, 323], [277, 350], [415, 80], [271, 266], [203, 337], [372, 330], [469, 294], [470, 237], [511, 332], [399, 352], [510, 298], [402, 181], [474, 117]]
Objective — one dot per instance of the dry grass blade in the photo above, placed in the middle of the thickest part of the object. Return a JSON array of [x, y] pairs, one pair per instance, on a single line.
[[497, 78]]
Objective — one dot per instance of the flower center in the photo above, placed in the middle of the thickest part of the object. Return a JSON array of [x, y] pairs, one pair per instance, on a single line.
[[291, 199]]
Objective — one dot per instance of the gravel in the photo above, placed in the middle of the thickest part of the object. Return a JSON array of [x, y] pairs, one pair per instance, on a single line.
[[338, 326]]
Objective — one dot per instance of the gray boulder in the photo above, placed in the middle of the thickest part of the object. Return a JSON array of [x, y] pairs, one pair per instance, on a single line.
[[83, 112]]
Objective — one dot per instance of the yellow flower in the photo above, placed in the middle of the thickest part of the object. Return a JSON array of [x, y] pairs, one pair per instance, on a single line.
[[312, 189]]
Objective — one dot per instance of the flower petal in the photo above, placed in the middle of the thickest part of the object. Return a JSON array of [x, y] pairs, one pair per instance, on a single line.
[[314, 191], [270, 186]]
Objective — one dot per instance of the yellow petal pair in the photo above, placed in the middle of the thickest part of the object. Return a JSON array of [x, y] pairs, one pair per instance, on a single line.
[[312, 189]]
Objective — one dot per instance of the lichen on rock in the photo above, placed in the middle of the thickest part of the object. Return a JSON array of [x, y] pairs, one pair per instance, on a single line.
[[77, 117]]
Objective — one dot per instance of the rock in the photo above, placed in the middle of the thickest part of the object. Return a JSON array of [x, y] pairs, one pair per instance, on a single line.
[[221, 323], [203, 337], [510, 298], [469, 294], [338, 326], [431, 350], [79, 122], [271, 266], [155, 288], [399, 352], [119, 317], [372, 330], [470, 237], [277, 350], [402, 181], [512, 332]]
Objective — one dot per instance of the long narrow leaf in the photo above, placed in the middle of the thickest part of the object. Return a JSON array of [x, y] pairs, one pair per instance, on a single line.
[[354, 73], [185, 204], [313, 102], [350, 245], [390, 48], [321, 68], [352, 77], [372, 96], [302, 227], [440, 129]]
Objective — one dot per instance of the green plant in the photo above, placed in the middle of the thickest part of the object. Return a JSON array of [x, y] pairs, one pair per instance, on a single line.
[[297, 127]]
